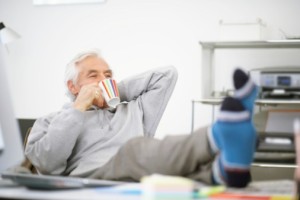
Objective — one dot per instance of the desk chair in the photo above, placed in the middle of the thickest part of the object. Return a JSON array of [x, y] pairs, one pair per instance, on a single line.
[[26, 162]]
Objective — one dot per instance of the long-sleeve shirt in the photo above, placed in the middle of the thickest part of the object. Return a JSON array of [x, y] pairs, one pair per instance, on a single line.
[[75, 143]]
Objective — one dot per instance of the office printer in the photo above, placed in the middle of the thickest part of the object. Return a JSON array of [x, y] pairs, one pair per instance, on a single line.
[[278, 82], [273, 146]]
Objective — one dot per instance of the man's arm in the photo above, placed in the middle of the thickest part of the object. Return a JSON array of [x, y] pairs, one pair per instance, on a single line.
[[52, 139], [152, 90]]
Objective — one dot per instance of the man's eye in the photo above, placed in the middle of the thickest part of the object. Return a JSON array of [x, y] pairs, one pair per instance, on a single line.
[[108, 75]]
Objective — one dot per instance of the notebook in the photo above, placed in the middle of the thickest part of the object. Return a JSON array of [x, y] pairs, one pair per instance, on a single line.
[[49, 182]]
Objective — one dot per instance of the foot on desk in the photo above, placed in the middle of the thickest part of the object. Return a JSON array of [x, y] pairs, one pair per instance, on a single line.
[[234, 136]]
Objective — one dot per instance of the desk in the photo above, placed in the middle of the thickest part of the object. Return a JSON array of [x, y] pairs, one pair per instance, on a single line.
[[282, 189]]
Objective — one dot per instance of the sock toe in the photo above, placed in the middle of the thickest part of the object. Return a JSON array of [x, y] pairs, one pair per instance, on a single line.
[[240, 78], [245, 89], [243, 84]]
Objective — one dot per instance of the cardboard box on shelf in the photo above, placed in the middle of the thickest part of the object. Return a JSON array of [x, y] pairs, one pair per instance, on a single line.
[[249, 30]]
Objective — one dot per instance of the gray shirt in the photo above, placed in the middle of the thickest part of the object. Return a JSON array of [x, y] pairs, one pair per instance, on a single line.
[[75, 143]]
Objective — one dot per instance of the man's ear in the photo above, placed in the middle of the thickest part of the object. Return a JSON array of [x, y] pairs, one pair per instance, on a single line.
[[72, 87]]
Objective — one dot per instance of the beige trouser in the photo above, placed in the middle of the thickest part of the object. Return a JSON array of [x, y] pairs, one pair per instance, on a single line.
[[185, 155]]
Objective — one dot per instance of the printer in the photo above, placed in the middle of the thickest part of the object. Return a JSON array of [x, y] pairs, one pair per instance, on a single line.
[[278, 82]]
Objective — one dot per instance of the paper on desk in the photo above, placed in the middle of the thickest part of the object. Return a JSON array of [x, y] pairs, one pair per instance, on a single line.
[[277, 189], [280, 121], [126, 189], [275, 140]]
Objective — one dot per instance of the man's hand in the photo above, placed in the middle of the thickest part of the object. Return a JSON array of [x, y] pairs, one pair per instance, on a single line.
[[89, 95]]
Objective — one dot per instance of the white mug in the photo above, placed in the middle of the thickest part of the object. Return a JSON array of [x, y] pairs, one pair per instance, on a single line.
[[110, 92]]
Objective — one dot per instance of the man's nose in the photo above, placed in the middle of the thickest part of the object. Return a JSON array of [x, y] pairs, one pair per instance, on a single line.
[[102, 77]]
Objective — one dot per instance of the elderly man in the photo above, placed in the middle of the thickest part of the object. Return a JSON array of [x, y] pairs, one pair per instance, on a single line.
[[89, 139]]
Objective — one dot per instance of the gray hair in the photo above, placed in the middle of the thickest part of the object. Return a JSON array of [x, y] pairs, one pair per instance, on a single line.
[[71, 72]]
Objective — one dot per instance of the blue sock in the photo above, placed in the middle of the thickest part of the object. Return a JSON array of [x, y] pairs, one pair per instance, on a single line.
[[245, 89], [233, 134]]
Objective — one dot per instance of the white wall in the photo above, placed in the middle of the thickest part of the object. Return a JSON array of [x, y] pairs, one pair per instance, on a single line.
[[134, 35]]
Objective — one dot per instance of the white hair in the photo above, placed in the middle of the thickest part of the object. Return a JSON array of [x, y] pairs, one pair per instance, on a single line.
[[71, 72]]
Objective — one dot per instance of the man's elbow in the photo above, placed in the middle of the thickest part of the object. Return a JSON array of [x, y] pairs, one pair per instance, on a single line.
[[44, 165]]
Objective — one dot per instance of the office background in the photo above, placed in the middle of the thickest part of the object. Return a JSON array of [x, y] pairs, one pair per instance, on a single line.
[[134, 36]]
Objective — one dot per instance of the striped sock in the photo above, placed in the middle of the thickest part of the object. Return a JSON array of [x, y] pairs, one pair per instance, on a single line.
[[233, 134]]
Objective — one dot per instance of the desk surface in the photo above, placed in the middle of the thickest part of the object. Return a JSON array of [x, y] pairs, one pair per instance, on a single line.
[[260, 189]]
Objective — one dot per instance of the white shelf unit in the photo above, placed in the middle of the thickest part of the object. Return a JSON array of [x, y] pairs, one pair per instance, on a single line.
[[208, 68], [259, 170]]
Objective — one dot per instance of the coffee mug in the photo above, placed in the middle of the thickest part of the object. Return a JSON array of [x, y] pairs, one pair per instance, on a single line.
[[110, 92]]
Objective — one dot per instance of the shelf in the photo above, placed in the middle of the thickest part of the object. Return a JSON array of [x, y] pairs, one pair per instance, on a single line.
[[218, 101], [210, 101], [274, 165], [208, 56], [251, 44], [208, 68], [276, 102]]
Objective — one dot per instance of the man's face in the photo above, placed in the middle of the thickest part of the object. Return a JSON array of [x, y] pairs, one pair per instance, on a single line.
[[92, 70]]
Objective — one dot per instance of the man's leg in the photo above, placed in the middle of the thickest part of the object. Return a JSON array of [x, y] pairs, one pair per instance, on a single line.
[[233, 134], [184, 155]]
